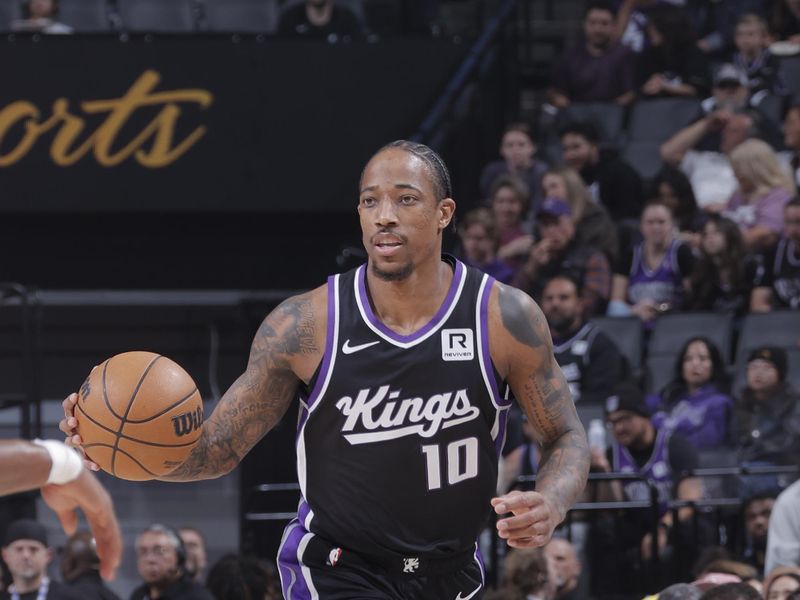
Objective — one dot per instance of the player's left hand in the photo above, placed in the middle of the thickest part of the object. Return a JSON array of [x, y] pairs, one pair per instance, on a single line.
[[533, 521], [87, 494]]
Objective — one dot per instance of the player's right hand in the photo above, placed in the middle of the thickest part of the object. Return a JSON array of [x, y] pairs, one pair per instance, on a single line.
[[68, 426]]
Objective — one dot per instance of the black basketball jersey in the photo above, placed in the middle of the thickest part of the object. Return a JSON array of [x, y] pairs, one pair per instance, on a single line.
[[399, 438]]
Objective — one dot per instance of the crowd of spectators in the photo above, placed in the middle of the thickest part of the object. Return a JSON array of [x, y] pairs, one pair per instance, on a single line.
[[716, 230], [171, 564]]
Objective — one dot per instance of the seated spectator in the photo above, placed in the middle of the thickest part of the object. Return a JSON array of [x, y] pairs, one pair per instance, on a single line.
[[196, 558], [589, 359], [559, 253], [235, 577], [767, 413], [80, 568], [701, 149], [723, 275], [527, 575], [696, 403], [781, 582], [777, 284], [161, 563], [764, 189], [593, 226], [754, 58], [26, 555], [731, 591], [479, 244], [672, 65], [566, 566], [41, 16], [756, 513], [783, 538], [612, 182], [651, 279], [320, 20], [790, 157], [680, 591], [657, 455], [673, 188], [598, 69], [508, 200], [784, 20], [715, 22], [518, 152]]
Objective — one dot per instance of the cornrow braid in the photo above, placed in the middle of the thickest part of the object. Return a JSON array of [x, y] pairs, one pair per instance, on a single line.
[[435, 163]]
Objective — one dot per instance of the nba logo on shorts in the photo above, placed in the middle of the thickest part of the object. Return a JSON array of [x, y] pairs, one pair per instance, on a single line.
[[457, 344]]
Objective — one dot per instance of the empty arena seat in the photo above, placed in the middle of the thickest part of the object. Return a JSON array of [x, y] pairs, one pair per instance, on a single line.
[[384, 17], [10, 11], [644, 156], [658, 120], [626, 332], [85, 16], [606, 116], [659, 371], [241, 16], [672, 330], [157, 16]]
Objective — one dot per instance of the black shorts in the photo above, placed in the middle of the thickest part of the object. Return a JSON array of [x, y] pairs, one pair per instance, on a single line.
[[311, 568]]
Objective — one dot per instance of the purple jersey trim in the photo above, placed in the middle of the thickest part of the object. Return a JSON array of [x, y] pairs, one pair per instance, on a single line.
[[434, 322], [293, 583], [327, 358], [487, 358]]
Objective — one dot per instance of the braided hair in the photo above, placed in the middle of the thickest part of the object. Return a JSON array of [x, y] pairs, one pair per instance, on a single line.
[[434, 162]]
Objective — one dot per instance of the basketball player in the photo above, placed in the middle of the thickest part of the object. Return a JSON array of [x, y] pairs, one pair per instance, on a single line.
[[402, 368], [66, 485]]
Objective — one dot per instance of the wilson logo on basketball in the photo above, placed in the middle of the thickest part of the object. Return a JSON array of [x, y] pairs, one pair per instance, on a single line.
[[86, 389], [186, 423]]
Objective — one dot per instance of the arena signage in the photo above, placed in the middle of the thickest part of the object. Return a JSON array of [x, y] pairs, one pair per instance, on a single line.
[[204, 123]]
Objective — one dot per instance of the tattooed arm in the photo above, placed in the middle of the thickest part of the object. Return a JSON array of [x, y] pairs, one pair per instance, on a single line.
[[286, 350], [522, 350]]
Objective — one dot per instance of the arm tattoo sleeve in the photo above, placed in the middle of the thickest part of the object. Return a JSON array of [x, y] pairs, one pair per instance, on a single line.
[[259, 397], [543, 393]]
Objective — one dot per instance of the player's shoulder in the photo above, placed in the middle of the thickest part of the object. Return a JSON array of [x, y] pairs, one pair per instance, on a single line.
[[514, 308], [310, 305]]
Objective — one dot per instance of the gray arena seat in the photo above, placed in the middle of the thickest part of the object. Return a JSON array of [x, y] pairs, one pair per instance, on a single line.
[[85, 16], [241, 16], [659, 371], [657, 120], [606, 116], [644, 156], [157, 16], [10, 11], [672, 330], [627, 335], [384, 17]]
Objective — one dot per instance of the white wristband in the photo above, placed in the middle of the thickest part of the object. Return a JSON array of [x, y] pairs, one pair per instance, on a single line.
[[67, 464]]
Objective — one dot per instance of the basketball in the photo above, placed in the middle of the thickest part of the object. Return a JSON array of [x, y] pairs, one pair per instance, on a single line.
[[139, 415]]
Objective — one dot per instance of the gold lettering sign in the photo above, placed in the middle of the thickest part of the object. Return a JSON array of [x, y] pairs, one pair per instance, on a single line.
[[66, 149]]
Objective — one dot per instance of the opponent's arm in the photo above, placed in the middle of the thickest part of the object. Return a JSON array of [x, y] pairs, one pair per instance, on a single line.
[[260, 396], [27, 466], [525, 350]]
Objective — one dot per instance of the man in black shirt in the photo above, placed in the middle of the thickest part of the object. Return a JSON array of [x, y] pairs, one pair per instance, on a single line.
[[589, 359], [27, 556], [80, 568], [161, 562], [777, 283], [320, 19], [612, 182]]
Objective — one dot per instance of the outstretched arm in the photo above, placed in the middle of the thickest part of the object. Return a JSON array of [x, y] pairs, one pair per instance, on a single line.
[[285, 351], [524, 351], [27, 466]]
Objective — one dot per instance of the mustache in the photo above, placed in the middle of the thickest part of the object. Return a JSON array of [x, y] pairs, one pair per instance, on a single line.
[[385, 231]]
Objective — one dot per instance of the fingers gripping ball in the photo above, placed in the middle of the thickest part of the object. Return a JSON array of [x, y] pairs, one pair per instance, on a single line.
[[139, 415]]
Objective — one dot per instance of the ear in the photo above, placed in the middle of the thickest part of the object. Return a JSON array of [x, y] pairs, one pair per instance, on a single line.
[[50, 553], [446, 210]]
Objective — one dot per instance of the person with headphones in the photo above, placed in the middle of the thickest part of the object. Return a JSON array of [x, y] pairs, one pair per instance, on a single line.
[[161, 562]]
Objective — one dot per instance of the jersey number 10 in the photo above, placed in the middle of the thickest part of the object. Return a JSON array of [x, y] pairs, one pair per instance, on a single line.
[[461, 459]]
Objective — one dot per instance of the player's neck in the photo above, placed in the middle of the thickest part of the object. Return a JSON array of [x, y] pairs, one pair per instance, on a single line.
[[406, 306]]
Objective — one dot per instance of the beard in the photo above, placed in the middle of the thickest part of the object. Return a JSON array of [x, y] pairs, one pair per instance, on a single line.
[[561, 324], [399, 275]]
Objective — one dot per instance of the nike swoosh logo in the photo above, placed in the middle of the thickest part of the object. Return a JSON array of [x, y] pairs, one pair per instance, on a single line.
[[348, 349], [477, 589]]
